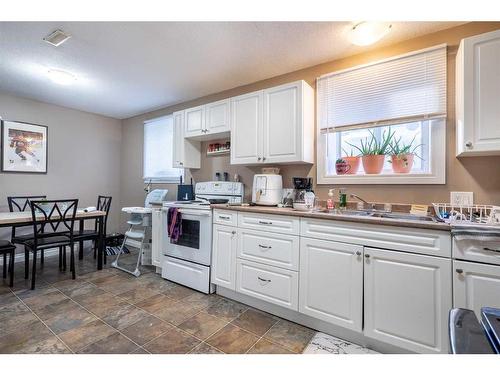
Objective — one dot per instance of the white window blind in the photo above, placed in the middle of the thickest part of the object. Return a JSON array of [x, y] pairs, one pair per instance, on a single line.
[[406, 88], [158, 151]]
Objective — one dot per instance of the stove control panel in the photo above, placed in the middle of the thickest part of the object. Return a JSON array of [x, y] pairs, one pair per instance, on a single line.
[[219, 188]]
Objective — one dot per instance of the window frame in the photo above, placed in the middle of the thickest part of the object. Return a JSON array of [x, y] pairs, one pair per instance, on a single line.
[[436, 177], [159, 180]]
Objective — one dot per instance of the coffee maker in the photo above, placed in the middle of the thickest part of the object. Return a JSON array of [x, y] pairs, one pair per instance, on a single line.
[[301, 185]]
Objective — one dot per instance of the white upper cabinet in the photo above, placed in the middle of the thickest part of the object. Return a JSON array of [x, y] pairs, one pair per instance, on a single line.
[[475, 285], [477, 95], [186, 153], [217, 117], [246, 128], [288, 123], [407, 300], [331, 282], [275, 125], [195, 121]]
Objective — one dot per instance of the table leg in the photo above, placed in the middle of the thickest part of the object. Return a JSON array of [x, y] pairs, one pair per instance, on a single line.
[[80, 244], [100, 249]]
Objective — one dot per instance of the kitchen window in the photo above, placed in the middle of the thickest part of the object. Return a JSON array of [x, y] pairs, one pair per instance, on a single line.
[[394, 108], [158, 151]]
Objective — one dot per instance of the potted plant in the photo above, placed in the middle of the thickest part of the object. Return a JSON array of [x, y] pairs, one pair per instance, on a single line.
[[341, 166], [352, 161], [373, 151], [402, 155]]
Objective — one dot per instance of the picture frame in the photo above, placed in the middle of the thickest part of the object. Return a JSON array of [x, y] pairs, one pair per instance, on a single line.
[[24, 147]]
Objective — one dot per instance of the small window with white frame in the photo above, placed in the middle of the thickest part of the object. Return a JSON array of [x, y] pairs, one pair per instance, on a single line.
[[158, 151], [384, 123]]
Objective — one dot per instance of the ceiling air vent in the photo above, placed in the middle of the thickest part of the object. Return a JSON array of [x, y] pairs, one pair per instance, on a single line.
[[56, 38]]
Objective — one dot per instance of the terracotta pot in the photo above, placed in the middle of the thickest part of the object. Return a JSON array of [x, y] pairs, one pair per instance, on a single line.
[[354, 162], [402, 163], [342, 168], [373, 164]]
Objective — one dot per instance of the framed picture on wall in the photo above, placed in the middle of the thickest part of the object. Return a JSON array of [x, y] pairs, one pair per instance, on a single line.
[[24, 147]]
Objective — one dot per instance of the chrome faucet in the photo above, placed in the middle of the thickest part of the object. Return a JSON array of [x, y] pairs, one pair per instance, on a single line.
[[371, 205]]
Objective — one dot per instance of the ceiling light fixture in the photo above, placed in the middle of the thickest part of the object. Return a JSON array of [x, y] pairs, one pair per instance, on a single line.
[[368, 32], [61, 77], [56, 38]]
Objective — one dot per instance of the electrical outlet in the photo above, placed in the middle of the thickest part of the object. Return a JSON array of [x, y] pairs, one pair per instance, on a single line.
[[462, 198]]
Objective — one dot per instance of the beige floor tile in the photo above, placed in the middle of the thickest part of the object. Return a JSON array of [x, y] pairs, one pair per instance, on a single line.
[[233, 340], [204, 348], [155, 303], [179, 292], [290, 335], [177, 313], [226, 309], [139, 293], [39, 301], [174, 341], [69, 319], [257, 322], [87, 334], [264, 346], [124, 317], [113, 344], [202, 325], [146, 329], [51, 345], [24, 337]]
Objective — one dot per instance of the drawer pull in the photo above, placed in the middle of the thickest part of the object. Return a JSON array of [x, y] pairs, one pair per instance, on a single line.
[[265, 222], [460, 270], [263, 280], [233, 232], [489, 249], [224, 217], [367, 256], [358, 253], [265, 247]]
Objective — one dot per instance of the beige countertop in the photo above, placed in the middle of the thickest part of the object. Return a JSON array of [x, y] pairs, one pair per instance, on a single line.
[[340, 217]]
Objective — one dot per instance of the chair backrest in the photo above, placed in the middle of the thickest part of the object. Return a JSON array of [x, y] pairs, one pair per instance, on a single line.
[[104, 204], [21, 204], [57, 214]]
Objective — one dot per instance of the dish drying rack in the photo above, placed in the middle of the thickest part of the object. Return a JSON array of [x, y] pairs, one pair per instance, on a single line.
[[469, 214]]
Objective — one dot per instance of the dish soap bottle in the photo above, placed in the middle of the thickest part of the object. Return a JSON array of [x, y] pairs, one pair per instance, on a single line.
[[330, 203], [342, 198]]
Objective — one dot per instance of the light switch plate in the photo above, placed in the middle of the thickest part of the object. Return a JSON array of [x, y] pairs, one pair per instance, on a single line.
[[462, 198]]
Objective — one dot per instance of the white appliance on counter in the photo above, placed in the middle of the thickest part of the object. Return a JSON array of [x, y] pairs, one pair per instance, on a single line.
[[188, 261], [267, 189]]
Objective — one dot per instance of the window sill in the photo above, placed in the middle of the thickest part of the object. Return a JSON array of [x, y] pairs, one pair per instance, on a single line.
[[384, 179]]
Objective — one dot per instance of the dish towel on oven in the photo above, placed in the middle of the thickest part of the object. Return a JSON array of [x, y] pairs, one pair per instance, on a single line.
[[174, 224], [475, 232]]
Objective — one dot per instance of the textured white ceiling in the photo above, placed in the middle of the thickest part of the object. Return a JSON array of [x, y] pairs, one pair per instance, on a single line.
[[128, 68]]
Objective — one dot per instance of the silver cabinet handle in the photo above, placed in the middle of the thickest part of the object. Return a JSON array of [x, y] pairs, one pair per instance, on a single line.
[[358, 253], [263, 280], [259, 158], [468, 144], [181, 163], [489, 249], [367, 256], [265, 247], [459, 270], [224, 217], [264, 158], [265, 222]]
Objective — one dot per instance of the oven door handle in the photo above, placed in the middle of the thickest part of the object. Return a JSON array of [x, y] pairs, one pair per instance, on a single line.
[[186, 211]]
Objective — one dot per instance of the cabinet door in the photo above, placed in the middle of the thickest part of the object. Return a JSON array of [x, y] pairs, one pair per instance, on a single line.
[[195, 121], [407, 300], [224, 256], [217, 117], [156, 237], [282, 127], [481, 89], [178, 144], [331, 282], [475, 285], [246, 128]]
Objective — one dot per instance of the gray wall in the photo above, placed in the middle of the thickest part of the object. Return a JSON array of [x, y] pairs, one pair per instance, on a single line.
[[83, 161]]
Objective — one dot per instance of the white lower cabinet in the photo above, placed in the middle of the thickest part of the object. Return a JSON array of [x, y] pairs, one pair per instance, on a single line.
[[272, 284], [224, 256], [475, 285], [331, 282], [407, 298]]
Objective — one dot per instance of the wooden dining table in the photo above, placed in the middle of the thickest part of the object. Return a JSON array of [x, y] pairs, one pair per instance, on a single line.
[[23, 218]]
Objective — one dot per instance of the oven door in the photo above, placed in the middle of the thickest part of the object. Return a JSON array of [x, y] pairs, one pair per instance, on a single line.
[[195, 242]]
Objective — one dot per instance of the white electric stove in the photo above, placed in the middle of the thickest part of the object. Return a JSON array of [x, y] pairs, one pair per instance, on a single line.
[[188, 261]]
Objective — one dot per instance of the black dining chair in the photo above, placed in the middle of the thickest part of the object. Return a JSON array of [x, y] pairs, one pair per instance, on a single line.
[[7, 248], [21, 204], [81, 235], [53, 224]]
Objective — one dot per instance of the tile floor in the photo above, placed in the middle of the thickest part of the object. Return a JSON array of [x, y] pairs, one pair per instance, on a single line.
[[110, 311]]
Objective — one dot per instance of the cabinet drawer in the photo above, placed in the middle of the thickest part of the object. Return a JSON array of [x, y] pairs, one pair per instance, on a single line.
[[412, 240], [271, 284], [477, 250], [279, 250], [226, 217], [270, 223]]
